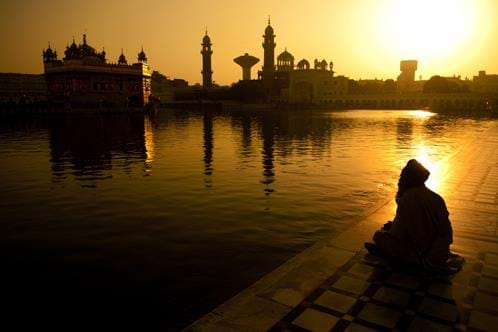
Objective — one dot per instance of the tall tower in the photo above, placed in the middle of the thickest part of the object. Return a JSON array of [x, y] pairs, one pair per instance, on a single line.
[[269, 57], [207, 72]]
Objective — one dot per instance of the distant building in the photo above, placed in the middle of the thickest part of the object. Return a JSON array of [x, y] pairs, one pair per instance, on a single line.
[[315, 86], [85, 78], [165, 88], [18, 88], [207, 72], [484, 83], [406, 80]]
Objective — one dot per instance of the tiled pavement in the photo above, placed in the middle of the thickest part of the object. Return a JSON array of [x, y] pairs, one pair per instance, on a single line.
[[337, 286]]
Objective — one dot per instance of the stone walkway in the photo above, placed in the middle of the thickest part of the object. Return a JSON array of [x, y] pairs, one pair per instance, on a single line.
[[335, 285]]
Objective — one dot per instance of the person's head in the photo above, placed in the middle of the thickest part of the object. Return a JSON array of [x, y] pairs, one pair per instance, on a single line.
[[412, 175]]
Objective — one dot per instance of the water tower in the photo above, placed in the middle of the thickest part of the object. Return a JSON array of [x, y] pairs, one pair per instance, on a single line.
[[246, 61]]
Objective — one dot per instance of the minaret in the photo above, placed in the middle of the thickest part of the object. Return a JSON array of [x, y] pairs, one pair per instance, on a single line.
[[207, 73], [269, 57]]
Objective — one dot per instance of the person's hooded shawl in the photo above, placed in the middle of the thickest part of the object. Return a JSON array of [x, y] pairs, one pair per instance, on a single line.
[[421, 217]]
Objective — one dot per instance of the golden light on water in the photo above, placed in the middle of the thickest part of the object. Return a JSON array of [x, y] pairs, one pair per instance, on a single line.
[[420, 114], [149, 141]]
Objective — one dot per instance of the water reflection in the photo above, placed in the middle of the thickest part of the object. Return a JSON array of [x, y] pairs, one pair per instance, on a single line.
[[268, 135], [149, 143], [89, 147], [208, 147]]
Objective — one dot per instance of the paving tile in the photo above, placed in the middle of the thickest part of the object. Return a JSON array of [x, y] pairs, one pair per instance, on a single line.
[[491, 258], [490, 270], [450, 292], [315, 320], [483, 321], [336, 301], [424, 325], [348, 284], [439, 309], [380, 315], [392, 296], [354, 327], [485, 302], [488, 284], [362, 270], [403, 280]]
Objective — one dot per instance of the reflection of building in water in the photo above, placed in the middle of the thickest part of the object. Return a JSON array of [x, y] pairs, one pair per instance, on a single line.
[[92, 147], [149, 141], [241, 122], [404, 133], [83, 77], [208, 144], [268, 133]]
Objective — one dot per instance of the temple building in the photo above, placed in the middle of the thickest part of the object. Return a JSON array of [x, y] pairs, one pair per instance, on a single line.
[[84, 78], [299, 83]]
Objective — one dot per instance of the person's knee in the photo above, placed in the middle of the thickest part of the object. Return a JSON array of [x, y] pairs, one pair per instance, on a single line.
[[379, 237]]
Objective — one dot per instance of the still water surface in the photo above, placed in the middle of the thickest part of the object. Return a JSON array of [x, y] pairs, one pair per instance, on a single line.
[[149, 222]]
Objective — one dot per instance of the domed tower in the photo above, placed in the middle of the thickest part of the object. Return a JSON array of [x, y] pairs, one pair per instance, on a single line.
[[49, 55], [122, 59], [285, 61], [269, 55], [141, 56], [207, 72]]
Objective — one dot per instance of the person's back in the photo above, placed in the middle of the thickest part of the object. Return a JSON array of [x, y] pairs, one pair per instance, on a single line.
[[422, 222], [421, 230]]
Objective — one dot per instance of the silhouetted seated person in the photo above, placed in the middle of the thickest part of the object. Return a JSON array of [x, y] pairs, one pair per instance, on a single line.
[[421, 232]]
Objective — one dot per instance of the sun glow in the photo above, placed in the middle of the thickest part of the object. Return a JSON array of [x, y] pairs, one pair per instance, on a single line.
[[428, 29]]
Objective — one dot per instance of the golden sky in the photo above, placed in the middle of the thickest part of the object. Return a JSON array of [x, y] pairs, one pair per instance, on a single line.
[[364, 38]]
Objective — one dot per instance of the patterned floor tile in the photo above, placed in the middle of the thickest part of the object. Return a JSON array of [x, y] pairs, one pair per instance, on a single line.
[[486, 302], [335, 301], [358, 328], [392, 296], [403, 280], [351, 285], [380, 315], [488, 284], [483, 321], [424, 325], [439, 309], [315, 320]]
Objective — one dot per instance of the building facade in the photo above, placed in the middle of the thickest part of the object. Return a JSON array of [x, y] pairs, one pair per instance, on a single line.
[[315, 86], [485, 83], [83, 77]]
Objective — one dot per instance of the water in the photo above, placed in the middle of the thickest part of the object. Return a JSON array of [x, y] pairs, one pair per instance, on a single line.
[[136, 222]]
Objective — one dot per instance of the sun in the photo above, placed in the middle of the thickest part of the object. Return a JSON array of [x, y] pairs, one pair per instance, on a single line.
[[428, 29]]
